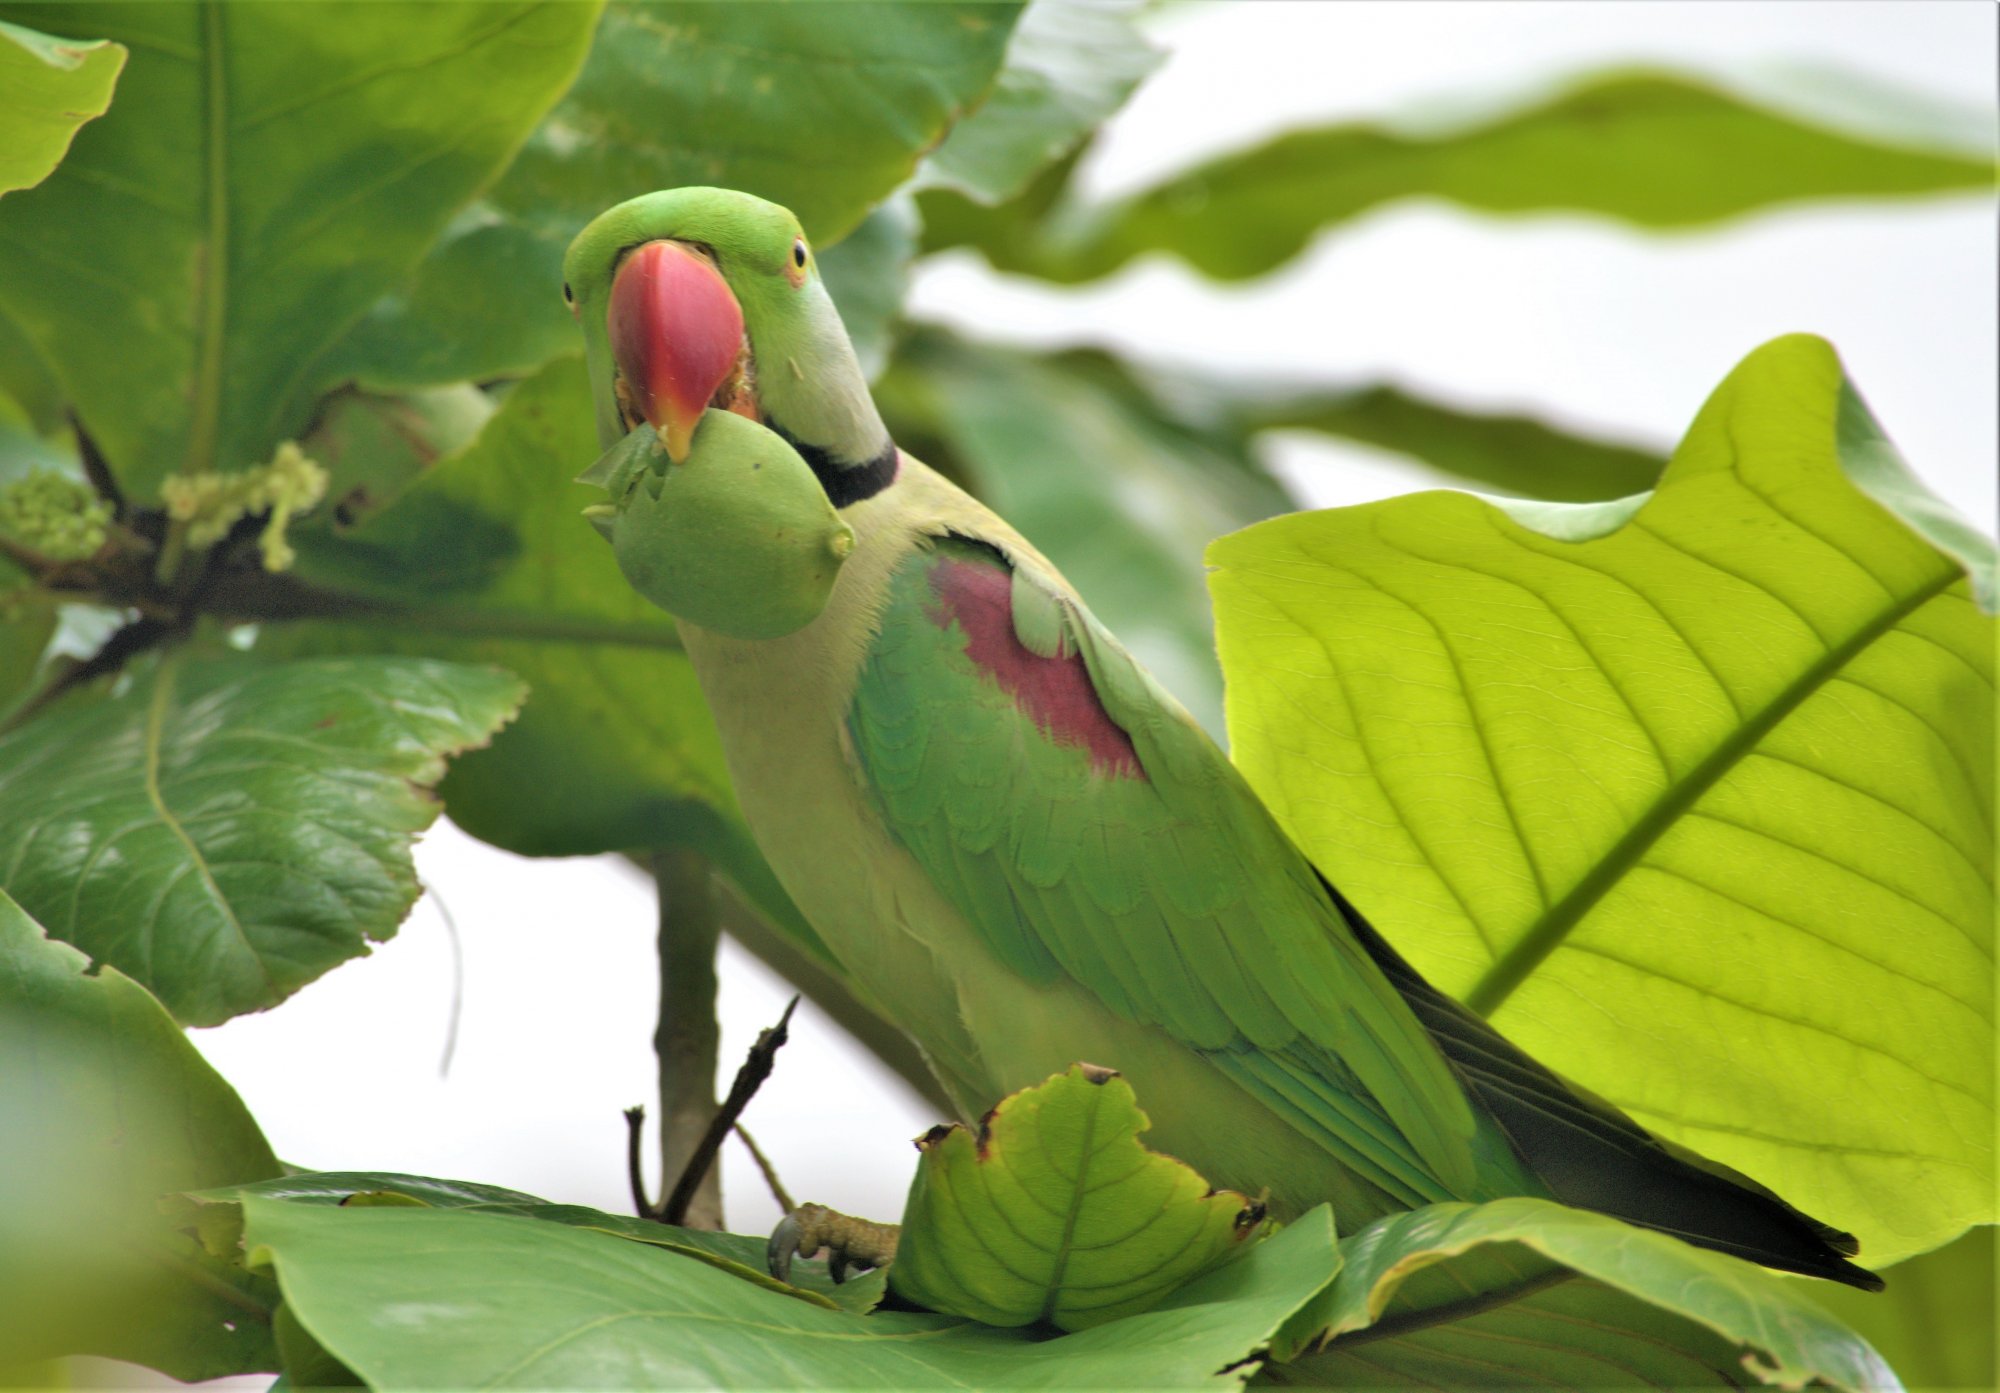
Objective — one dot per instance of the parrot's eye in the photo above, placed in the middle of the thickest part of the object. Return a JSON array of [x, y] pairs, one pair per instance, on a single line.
[[568, 297], [799, 253]]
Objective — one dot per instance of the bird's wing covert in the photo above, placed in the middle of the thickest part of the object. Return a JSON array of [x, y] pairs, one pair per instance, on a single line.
[[1084, 824]]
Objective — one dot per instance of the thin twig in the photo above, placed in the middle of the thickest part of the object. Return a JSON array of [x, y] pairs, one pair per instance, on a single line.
[[457, 980], [635, 1169], [756, 1068], [769, 1171]]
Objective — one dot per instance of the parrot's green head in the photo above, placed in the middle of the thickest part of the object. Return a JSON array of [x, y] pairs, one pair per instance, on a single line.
[[696, 298]]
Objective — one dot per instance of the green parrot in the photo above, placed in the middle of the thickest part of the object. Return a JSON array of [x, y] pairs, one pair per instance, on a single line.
[[1013, 839]]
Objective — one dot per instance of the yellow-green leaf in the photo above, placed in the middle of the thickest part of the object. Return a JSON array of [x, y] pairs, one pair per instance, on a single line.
[[1693, 794], [48, 88]]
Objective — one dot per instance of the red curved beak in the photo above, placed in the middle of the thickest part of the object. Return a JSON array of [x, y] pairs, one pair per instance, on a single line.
[[676, 332]]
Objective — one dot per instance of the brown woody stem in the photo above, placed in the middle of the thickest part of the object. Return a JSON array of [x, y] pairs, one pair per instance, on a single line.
[[686, 1040]]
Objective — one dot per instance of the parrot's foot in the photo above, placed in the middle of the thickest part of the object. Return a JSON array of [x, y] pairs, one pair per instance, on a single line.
[[849, 1242]]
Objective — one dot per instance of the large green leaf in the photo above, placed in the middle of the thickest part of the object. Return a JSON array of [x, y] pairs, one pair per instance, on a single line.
[[487, 558], [482, 1300], [104, 1107], [1653, 149], [1070, 64], [226, 831], [1529, 1293], [267, 173], [48, 88], [1057, 1212], [218, 1215], [823, 108], [1085, 462], [1693, 797]]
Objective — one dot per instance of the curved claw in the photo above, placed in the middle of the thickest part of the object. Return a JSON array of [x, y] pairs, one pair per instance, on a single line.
[[782, 1248]]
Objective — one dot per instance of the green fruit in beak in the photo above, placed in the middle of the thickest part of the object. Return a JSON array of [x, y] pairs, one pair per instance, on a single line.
[[738, 538]]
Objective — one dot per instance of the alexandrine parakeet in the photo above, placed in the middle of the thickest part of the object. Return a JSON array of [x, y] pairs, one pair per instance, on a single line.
[[1012, 838]]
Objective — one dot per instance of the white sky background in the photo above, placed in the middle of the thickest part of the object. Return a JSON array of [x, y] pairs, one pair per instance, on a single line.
[[1576, 319]]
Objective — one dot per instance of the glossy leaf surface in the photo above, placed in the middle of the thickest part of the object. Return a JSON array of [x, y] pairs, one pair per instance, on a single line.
[[1696, 804], [267, 172], [489, 1301], [226, 831], [1057, 1212], [48, 88], [106, 1107]]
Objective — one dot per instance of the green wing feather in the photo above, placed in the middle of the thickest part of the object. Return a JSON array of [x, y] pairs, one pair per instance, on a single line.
[[1173, 897]]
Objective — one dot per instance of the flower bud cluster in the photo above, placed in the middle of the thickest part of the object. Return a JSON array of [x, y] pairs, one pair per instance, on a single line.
[[211, 504], [55, 516]]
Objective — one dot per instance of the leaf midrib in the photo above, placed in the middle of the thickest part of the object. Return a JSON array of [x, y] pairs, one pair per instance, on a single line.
[[1087, 1151], [214, 287], [156, 720], [1519, 962]]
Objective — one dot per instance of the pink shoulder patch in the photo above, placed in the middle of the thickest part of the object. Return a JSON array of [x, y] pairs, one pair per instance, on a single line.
[[1056, 693]]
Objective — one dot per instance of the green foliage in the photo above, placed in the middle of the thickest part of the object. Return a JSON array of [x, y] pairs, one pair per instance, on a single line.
[[51, 86], [493, 1301], [344, 228], [105, 1106], [1528, 1292], [1070, 65], [225, 208], [1056, 1212], [823, 108], [1648, 148], [1935, 1322], [1515, 455], [1759, 704], [226, 831]]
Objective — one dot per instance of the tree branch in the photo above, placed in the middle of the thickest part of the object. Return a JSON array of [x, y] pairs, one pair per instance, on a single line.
[[686, 1040]]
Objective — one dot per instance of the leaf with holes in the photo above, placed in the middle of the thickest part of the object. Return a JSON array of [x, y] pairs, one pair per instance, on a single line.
[[1692, 794], [48, 88], [226, 831], [105, 1107], [1055, 1212], [1526, 1292], [264, 176]]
